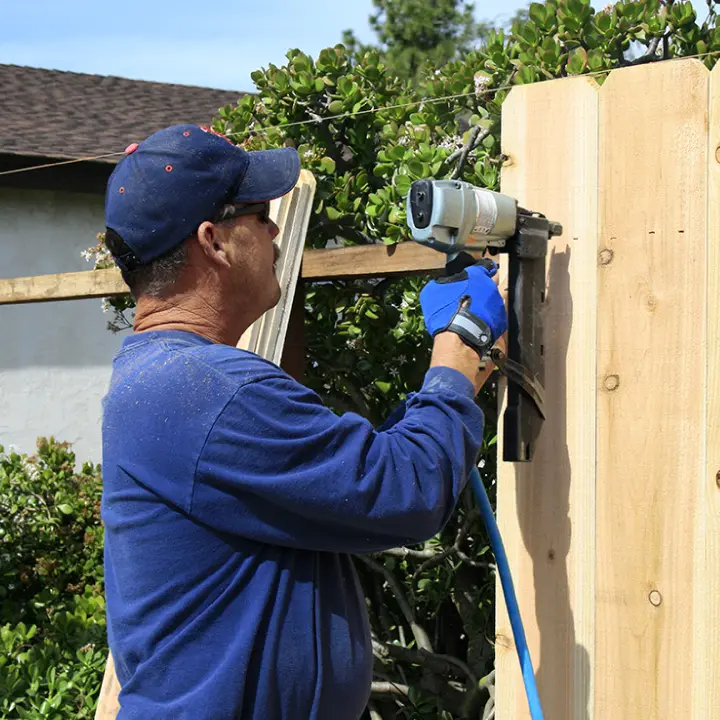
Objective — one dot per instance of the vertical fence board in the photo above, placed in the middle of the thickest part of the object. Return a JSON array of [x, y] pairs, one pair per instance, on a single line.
[[546, 508], [651, 307], [706, 581]]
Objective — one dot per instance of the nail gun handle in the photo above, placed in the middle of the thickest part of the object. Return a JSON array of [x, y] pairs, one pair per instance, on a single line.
[[459, 263]]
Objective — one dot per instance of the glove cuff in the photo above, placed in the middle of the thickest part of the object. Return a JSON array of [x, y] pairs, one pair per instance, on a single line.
[[475, 332]]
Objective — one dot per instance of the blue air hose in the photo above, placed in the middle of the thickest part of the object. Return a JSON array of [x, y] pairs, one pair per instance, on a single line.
[[503, 566]]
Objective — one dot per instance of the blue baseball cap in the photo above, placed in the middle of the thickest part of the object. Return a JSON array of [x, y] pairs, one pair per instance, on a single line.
[[171, 182]]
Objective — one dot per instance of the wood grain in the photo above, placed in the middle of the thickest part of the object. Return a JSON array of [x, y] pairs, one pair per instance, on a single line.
[[546, 508], [62, 286], [366, 261], [650, 407], [706, 560]]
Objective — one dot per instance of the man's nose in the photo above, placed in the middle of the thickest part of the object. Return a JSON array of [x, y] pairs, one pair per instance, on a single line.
[[274, 229]]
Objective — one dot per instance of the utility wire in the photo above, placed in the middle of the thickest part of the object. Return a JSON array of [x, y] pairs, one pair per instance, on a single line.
[[482, 93]]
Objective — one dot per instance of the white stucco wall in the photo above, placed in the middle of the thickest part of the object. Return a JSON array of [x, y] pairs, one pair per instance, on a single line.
[[55, 358]]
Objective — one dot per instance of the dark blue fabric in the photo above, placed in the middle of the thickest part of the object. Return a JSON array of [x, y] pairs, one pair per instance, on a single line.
[[440, 299], [177, 178], [232, 501]]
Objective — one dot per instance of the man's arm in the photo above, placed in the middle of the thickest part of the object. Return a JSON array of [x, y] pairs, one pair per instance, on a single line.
[[450, 351], [280, 467]]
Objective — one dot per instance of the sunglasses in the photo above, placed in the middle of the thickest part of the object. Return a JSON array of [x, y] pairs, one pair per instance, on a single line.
[[262, 209]]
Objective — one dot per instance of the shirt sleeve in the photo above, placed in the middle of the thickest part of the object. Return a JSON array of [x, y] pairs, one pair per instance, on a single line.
[[280, 467]]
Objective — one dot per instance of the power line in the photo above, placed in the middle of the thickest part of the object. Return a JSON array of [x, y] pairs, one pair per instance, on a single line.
[[328, 118]]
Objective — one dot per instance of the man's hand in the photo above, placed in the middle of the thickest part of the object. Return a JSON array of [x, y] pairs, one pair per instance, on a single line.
[[485, 313], [468, 304]]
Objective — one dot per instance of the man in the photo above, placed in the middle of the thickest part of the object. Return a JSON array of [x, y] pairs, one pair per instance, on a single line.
[[233, 497]]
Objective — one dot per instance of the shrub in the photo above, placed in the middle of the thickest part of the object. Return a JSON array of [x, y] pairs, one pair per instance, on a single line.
[[52, 641]]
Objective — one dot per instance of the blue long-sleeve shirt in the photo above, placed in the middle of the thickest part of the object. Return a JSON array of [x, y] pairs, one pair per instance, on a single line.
[[232, 501]]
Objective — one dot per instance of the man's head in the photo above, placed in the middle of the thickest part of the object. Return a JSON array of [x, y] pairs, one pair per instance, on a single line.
[[187, 197]]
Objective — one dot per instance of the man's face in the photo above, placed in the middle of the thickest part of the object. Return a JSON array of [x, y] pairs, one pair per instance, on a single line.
[[254, 254]]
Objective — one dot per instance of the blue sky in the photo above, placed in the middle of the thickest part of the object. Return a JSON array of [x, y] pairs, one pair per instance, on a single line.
[[187, 42]]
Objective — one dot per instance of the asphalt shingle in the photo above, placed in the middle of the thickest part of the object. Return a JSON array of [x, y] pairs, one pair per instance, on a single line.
[[57, 114]]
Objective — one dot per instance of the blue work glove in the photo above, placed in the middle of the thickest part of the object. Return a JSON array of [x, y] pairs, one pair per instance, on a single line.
[[480, 321]]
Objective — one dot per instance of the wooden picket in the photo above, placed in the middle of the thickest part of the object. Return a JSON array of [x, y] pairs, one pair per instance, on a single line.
[[545, 509]]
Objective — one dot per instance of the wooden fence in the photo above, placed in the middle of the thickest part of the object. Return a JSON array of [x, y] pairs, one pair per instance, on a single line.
[[613, 532]]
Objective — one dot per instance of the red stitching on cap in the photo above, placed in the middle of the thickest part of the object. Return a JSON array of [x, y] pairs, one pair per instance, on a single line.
[[186, 133], [168, 168], [122, 190]]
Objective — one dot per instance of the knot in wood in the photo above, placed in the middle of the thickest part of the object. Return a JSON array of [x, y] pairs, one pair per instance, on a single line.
[[612, 382], [606, 256]]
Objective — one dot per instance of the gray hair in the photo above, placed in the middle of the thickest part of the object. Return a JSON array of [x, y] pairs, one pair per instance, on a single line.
[[158, 276]]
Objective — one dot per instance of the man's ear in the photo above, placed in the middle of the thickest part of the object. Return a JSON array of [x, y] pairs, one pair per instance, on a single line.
[[213, 243]]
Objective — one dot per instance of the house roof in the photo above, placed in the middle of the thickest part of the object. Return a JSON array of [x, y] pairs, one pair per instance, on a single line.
[[58, 114]]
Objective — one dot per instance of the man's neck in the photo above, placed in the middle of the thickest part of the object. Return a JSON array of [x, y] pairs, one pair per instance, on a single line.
[[188, 313]]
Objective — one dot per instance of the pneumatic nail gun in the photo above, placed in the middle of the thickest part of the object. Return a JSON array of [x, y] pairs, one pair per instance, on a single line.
[[457, 218]]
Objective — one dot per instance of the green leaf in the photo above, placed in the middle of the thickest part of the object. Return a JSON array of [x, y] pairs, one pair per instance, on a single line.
[[65, 509], [525, 75], [575, 7], [403, 183], [383, 387], [529, 32], [577, 61], [281, 80], [603, 22], [415, 167], [596, 60], [327, 165], [301, 63], [538, 13]]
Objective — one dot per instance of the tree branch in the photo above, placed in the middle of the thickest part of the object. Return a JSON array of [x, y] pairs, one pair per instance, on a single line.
[[341, 165], [477, 135], [374, 712], [455, 549], [421, 637], [384, 689], [347, 232], [403, 552], [650, 55], [440, 664]]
